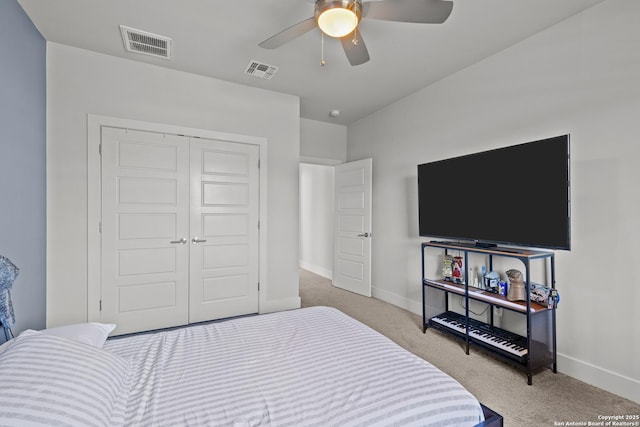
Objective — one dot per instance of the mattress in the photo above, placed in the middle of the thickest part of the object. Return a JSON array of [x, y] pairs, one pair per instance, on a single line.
[[308, 367]]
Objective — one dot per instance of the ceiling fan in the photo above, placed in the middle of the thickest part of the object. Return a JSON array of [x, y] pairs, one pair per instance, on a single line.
[[340, 19]]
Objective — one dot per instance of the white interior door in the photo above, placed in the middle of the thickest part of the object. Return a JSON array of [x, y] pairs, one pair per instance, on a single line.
[[224, 243], [180, 229], [145, 227], [352, 225]]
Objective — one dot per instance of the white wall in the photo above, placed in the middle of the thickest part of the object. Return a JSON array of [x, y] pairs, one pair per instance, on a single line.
[[316, 218], [321, 140], [80, 82], [581, 77]]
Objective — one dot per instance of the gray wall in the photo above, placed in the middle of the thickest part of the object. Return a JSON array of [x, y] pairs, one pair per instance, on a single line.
[[22, 161]]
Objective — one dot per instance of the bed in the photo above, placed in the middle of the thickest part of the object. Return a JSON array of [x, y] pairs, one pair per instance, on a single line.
[[308, 367]]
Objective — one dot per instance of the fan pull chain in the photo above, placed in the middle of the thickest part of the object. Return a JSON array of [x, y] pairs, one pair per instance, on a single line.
[[355, 32], [322, 50]]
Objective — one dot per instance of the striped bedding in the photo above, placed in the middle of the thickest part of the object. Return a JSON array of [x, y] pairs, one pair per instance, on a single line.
[[309, 367], [51, 381]]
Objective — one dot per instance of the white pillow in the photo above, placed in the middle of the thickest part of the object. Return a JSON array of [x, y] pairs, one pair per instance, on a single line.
[[94, 334], [49, 380]]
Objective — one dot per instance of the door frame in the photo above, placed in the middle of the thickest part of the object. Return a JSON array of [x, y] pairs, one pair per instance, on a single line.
[[95, 123]]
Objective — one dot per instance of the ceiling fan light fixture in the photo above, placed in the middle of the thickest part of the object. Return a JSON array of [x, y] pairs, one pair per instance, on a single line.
[[338, 18], [337, 22]]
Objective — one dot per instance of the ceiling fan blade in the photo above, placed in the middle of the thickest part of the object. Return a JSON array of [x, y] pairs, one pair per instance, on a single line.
[[289, 34], [417, 11], [354, 48]]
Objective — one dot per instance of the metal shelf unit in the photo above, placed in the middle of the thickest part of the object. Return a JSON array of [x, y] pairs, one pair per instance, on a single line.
[[540, 339]]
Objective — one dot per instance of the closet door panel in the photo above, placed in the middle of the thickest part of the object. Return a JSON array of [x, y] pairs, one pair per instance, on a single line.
[[224, 220], [145, 207]]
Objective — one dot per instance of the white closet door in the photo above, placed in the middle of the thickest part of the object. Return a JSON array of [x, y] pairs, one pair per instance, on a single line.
[[145, 216], [224, 229]]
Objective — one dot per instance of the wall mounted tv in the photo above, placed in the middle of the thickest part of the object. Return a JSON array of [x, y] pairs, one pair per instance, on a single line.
[[517, 195]]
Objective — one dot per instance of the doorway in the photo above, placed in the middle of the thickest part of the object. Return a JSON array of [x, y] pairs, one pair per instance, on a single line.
[[316, 218], [335, 223]]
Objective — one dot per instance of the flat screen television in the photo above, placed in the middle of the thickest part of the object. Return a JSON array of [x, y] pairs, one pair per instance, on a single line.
[[517, 195]]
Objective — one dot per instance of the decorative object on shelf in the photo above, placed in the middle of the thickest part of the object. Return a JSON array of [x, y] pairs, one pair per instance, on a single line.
[[516, 290], [472, 277], [458, 277], [503, 288], [554, 299], [491, 281], [447, 267], [539, 293], [8, 273]]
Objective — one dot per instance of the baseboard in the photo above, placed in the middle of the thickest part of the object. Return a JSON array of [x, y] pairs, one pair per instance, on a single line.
[[397, 300], [320, 271], [613, 382]]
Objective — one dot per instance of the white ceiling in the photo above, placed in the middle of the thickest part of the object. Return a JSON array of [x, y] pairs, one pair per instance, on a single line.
[[218, 39]]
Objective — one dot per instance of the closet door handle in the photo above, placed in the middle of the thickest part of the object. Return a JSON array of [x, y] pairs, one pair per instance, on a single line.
[[196, 240], [181, 241], [364, 235]]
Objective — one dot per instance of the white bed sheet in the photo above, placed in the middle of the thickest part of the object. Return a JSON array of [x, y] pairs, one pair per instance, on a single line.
[[309, 367]]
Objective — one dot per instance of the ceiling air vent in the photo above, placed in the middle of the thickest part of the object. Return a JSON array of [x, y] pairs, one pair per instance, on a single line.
[[258, 69], [146, 43]]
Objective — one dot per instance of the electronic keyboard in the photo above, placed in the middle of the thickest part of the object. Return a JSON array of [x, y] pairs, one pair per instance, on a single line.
[[505, 341]]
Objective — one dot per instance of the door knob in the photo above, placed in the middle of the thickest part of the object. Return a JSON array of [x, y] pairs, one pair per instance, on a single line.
[[181, 241], [196, 240], [364, 235]]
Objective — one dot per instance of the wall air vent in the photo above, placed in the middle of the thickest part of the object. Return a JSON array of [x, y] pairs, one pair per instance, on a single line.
[[258, 69], [146, 43]]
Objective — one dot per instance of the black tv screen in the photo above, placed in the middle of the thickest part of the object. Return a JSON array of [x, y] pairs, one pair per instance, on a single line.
[[517, 195]]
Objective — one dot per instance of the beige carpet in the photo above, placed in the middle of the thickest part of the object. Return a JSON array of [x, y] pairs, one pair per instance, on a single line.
[[551, 400]]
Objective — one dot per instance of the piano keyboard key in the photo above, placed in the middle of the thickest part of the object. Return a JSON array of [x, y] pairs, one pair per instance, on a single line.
[[499, 338]]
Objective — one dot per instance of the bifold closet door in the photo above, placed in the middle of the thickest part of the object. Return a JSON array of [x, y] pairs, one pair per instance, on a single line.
[[145, 229], [224, 260]]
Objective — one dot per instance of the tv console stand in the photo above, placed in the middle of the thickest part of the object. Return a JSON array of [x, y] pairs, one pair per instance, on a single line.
[[470, 246], [531, 352]]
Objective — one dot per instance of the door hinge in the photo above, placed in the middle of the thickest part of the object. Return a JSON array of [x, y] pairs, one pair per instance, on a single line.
[[100, 305], [258, 163], [100, 227], [258, 225], [100, 149], [258, 285]]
